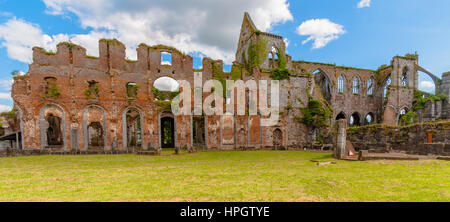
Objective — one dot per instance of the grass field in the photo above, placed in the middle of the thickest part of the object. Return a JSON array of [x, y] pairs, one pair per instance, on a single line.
[[220, 176]]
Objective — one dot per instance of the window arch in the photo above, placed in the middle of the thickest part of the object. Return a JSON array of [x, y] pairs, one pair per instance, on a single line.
[[356, 85], [341, 84], [355, 120], [370, 86], [341, 115], [386, 85], [370, 119], [405, 77]]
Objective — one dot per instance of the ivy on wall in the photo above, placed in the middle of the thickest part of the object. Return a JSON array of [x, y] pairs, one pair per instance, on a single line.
[[420, 101], [164, 95], [316, 114], [256, 54], [52, 92]]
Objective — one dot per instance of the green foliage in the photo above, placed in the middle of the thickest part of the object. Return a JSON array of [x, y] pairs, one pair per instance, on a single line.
[[236, 72], [408, 118], [256, 54], [279, 74], [316, 114], [163, 105], [52, 92], [421, 98], [11, 114], [219, 76], [281, 59], [164, 95]]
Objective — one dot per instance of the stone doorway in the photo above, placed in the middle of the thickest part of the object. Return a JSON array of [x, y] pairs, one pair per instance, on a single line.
[[54, 133], [167, 131], [198, 131], [277, 138], [95, 133]]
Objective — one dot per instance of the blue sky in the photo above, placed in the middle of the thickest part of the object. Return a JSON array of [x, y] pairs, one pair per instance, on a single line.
[[343, 33]]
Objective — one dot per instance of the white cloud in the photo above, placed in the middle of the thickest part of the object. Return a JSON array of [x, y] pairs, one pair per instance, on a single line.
[[166, 84], [364, 4], [321, 31], [4, 108], [5, 96], [208, 26], [427, 85]]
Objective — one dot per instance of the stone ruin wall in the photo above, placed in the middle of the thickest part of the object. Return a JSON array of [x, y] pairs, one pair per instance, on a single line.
[[73, 69], [412, 139]]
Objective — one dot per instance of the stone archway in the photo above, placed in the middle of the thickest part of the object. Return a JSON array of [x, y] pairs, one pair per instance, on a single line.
[[94, 129], [53, 127], [277, 138], [132, 133], [166, 130]]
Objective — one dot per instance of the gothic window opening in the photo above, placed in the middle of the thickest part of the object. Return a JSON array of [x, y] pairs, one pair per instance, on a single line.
[[356, 85], [370, 86], [341, 115], [369, 119], [355, 120], [323, 82], [405, 77], [341, 84], [50, 89], [387, 83]]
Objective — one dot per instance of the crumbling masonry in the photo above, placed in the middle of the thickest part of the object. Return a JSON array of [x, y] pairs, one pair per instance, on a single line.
[[69, 101]]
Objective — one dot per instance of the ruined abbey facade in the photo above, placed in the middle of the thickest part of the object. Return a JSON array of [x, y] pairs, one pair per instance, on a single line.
[[69, 101]]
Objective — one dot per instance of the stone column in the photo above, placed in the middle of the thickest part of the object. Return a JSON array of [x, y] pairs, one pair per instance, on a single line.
[[340, 138]]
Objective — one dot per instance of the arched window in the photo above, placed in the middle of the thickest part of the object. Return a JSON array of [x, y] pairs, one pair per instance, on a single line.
[[369, 119], [341, 115], [356, 85], [341, 84], [165, 88], [370, 86], [323, 82], [386, 85], [405, 77], [355, 120]]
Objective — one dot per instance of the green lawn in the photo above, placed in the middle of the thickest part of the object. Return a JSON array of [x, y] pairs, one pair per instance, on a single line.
[[220, 176]]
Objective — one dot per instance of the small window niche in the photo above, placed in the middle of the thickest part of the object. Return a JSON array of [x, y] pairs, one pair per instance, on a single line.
[[166, 58], [92, 90], [50, 89], [132, 89]]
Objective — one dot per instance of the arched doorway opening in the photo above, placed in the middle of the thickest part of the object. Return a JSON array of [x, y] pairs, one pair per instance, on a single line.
[[54, 132], [198, 131], [95, 136], [167, 132], [133, 128], [277, 138]]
